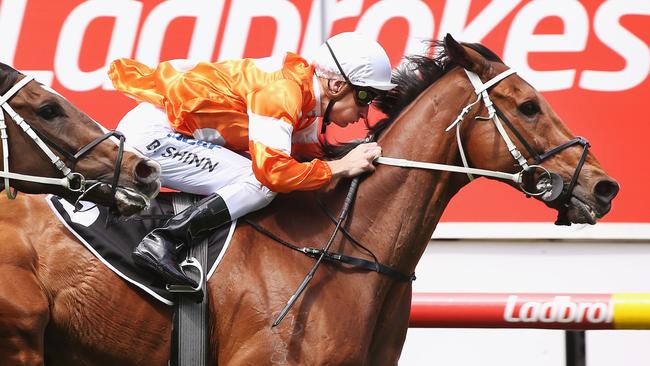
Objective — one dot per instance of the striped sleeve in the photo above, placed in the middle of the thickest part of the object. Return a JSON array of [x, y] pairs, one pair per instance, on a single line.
[[273, 111]]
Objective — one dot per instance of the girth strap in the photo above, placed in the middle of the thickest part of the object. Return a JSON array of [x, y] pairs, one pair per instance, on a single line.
[[190, 334]]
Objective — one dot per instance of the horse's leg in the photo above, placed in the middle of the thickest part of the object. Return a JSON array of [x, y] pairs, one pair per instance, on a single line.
[[24, 306], [388, 339], [59, 303], [241, 331]]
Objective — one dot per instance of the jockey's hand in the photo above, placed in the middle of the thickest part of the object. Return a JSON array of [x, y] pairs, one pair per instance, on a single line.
[[357, 161]]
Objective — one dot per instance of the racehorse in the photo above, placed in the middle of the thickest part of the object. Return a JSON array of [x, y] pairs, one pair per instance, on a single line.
[[80, 313], [49, 146], [45, 137]]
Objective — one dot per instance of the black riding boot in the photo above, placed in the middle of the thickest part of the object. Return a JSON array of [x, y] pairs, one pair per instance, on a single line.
[[159, 249]]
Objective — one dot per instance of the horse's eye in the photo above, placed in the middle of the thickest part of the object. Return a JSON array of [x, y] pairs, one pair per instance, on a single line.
[[50, 111], [529, 108]]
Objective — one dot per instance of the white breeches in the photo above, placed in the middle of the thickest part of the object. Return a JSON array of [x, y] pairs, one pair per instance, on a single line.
[[194, 166]]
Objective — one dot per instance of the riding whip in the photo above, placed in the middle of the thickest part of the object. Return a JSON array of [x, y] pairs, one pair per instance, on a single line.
[[344, 213]]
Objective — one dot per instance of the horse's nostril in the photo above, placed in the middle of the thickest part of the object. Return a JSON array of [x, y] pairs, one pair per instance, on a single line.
[[606, 190], [147, 171]]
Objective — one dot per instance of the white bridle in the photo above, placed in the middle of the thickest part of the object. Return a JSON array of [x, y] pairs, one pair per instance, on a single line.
[[70, 176], [480, 89]]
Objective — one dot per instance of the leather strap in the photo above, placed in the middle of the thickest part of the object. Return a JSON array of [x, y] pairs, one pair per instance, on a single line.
[[334, 257]]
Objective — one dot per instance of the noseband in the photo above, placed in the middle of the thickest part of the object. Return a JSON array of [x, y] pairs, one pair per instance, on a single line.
[[550, 187], [72, 180]]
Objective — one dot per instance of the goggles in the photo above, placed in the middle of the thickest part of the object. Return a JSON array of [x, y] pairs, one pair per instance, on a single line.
[[363, 96]]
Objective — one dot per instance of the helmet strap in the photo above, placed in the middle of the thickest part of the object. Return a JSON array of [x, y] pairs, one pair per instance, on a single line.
[[333, 98], [326, 116]]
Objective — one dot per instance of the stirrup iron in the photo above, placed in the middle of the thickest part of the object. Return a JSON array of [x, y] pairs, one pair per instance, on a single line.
[[189, 263]]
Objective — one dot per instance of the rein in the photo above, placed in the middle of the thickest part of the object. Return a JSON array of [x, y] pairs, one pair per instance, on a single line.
[[325, 255], [332, 257], [550, 186], [481, 91], [72, 180]]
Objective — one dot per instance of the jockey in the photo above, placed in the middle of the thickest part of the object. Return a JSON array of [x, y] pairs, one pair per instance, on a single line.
[[200, 120]]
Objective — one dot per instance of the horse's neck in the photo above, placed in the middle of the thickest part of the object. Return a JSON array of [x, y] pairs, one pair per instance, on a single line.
[[397, 209]]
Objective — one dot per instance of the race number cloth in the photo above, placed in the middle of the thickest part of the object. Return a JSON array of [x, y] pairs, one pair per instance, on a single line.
[[113, 245]]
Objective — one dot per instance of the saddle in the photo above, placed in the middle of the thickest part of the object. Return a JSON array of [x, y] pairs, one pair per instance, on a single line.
[[112, 239]]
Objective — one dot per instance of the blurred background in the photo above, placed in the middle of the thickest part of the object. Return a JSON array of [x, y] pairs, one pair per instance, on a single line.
[[591, 60]]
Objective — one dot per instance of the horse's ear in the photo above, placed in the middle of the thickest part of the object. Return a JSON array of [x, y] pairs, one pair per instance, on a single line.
[[5, 80], [465, 57]]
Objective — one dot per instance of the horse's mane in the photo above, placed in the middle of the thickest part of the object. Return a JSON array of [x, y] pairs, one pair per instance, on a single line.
[[8, 77], [412, 77]]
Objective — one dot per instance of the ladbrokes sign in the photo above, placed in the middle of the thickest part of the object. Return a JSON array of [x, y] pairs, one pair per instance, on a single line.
[[560, 309], [591, 58]]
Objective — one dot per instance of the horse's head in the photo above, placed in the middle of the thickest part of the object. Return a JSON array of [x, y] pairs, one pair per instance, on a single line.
[[556, 165], [92, 161]]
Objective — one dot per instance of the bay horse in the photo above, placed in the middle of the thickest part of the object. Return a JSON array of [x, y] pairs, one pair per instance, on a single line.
[[81, 313], [50, 146]]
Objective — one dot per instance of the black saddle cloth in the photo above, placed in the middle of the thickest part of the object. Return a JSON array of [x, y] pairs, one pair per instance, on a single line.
[[113, 244]]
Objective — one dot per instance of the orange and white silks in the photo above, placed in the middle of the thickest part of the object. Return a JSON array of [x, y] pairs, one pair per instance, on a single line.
[[264, 106]]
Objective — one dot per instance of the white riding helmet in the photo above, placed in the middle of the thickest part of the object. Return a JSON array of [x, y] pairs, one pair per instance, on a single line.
[[363, 61]]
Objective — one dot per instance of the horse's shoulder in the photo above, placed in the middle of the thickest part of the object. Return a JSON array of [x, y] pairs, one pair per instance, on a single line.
[[19, 227]]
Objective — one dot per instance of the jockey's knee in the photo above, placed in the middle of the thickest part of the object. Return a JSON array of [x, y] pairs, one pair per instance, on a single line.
[[260, 195], [269, 195], [246, 195]]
